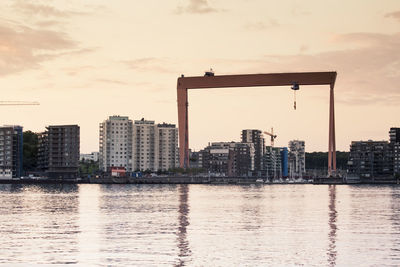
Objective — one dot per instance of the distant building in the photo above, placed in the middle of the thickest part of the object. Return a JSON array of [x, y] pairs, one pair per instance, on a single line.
[[284, 160], [255, 137], [229, 158], [142, 145], [154, 146], [94, 156], [11, 149], [216, 157], [241, 160], [115, 143], [370, 159], [273, 162], [394, 136], [297, 158], [167, 143], [144, 156], [58, 151], [196, 159]]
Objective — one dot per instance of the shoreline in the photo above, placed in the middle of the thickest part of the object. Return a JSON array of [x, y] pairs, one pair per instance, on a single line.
[[196, 180]]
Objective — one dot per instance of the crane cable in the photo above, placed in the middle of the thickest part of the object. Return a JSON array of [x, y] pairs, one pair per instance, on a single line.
[[294, 100]]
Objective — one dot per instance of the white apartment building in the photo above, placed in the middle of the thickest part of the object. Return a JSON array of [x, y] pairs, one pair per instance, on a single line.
[[297, 158], [154, 146], [143, 146], [168, 151], [115, 143], [94, 156]]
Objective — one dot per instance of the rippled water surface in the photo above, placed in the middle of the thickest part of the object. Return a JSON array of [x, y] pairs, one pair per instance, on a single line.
[[200, 225]]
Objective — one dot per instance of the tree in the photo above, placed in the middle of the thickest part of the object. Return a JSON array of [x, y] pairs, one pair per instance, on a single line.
[[30, 151], [319, 160]]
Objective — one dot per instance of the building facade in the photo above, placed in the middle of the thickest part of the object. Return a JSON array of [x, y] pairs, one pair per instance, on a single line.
[[297, 158], [115, 143], [144, 147], [216, 158], [167, 143], [255, 137], [394, 137], [58, 151], [94, 156], [11, 152], [241, 160], [229, 159], [370, 159], [139, 146], [273, 162]]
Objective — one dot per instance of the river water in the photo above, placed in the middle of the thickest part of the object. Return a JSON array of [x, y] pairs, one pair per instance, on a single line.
[[200, 225]]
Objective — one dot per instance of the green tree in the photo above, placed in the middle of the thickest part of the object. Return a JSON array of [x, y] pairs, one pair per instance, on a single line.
[[319, 160], [88, 167], [30, 151]]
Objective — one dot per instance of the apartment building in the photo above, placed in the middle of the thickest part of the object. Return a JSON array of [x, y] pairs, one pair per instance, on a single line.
[[394, 137], [58, 151], [255, 137], [115, 143], [297, 158], [273, 162], [370, 159], [11, 149], [154, 146], [168, 151], [229, 158], [144, 147]]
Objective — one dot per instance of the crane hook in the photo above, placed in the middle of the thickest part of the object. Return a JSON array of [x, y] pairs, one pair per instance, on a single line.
[[295, 87]]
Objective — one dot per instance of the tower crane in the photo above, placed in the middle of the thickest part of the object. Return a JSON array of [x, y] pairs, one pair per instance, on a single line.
[[273, 136], [19, 103]]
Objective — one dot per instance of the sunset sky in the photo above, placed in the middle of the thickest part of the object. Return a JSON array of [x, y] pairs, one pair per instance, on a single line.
[[86, 60]]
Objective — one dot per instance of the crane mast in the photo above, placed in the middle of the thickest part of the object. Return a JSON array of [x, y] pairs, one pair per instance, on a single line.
[[272, 135]]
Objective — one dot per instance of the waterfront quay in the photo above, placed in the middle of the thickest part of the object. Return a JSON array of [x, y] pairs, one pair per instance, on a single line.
[[197, 180]]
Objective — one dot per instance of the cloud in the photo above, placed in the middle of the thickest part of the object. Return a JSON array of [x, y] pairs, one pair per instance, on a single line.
[[395, 15], [151, 64], [23, 47], [196, 7], [47, 23], [368, 73], [111, 81], [260, 25], [29, 8]]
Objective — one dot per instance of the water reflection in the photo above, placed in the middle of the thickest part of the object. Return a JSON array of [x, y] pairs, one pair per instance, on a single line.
[[395, 220], [45, 188], [89, 225], [332, 252], [38, 224], [183, 243]]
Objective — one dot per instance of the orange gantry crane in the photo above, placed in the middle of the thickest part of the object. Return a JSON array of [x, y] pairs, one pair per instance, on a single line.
[[272, 135], [251, 80], [19, 103]]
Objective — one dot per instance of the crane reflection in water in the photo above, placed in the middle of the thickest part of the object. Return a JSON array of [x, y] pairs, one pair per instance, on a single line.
[[183, 243], [332, 253]]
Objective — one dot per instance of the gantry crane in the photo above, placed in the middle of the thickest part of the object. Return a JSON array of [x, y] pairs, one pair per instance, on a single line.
[[19, 103], [273, 136]]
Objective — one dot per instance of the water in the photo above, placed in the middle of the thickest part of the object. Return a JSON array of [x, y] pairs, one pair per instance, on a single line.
[[200, 225]]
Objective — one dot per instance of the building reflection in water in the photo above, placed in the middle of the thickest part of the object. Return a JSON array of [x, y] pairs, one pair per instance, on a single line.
[[183, 243], [332, 253], [395, 221]]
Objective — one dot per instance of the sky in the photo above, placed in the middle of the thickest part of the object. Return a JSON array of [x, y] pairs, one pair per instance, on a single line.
[[87, 60]]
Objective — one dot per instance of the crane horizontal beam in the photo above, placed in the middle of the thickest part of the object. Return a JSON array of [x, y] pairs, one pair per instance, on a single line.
[[250, 80]]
